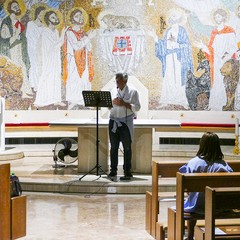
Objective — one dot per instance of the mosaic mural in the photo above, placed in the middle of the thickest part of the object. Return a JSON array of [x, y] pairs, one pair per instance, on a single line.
[[186, 53]]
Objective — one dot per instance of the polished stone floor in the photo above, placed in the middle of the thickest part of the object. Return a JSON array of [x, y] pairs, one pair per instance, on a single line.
[[61, 207], [87, 217]]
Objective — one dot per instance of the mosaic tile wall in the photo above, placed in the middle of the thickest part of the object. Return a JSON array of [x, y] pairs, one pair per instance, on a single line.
[[185, 53]]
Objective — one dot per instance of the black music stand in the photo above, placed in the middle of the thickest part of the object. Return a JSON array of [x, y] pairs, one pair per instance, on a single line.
[[97, 99]]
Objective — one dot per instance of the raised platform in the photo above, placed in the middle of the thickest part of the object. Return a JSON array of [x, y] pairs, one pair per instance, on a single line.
[[11, 153], [36, 172]]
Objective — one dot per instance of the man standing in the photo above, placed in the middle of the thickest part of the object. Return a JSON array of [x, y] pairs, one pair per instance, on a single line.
[[13, 42], [125, 104], [49, 87], [78, 69]]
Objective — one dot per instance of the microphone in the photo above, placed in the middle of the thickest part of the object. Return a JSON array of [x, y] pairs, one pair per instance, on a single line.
[[119, 94]]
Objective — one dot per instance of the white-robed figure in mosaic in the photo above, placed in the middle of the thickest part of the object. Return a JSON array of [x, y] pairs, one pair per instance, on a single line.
[[175, 54], [33, 34], [221, 47], [235, 20], [49, 87], [78, 71]]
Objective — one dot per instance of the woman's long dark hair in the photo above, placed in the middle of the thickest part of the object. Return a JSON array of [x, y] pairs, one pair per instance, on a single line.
[[209, 148]]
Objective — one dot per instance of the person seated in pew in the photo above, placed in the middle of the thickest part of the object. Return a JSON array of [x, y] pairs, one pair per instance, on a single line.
[[209, 158]]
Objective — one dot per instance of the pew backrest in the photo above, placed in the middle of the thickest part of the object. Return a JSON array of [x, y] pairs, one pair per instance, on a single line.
[[167, 169], [5, 220], [216, 201], [197, 182]]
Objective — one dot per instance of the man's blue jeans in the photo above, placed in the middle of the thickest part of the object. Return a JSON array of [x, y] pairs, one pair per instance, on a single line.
[[122, 134]]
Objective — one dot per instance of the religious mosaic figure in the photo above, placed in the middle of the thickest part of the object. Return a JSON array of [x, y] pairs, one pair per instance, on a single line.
[[49, 87], [33, 34], [237, 92], [13, 41], [175, 54], [78, 71], [221, 47]]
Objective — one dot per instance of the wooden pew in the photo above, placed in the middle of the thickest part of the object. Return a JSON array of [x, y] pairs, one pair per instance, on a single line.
[[5, 220], [18, 217], [166, 169], [12, 210], [195, 182], [216, 201]]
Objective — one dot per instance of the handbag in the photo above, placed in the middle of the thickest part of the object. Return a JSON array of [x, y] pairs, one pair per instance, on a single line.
[[15, 186]]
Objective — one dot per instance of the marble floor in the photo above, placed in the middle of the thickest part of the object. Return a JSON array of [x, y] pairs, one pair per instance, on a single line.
[[85, 216], [61, 207]]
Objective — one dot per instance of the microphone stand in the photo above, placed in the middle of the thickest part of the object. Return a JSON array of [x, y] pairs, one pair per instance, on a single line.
[[97, 99]]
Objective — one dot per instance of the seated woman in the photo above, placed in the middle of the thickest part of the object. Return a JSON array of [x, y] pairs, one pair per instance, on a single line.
[[209, 158]]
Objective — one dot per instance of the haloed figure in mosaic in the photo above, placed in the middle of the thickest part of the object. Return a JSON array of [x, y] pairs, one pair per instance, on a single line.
[[13, 41], [125, 105], [78, 69], [221, 47], [33, 34], [49, 87], [237, 28], [175, 54]]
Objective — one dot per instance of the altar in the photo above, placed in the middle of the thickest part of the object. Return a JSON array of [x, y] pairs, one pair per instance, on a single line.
[[141, 147]]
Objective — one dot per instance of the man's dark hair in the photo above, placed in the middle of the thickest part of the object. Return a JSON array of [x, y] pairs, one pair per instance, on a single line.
[[10, 5], [38, 10], [46, 17], [222, 12], [72, 15], [209, 148], [123, 76]]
